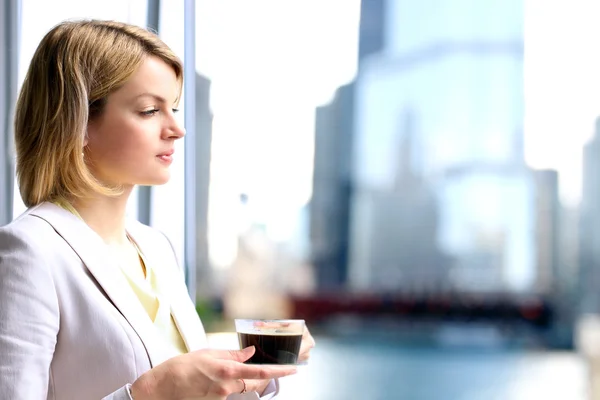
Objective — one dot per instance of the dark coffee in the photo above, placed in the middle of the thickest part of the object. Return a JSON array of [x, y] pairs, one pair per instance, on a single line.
[[272, 349]]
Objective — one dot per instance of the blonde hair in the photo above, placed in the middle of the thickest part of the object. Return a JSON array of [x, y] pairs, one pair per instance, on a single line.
[[74, 69]]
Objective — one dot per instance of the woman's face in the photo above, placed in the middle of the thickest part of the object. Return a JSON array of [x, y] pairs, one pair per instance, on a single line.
[[132, 142]]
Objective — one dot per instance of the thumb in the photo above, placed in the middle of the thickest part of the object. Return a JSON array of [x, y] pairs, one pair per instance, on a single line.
[[237, 355]]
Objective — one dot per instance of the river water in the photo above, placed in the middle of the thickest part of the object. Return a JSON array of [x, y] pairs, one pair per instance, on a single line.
[[360, 368]]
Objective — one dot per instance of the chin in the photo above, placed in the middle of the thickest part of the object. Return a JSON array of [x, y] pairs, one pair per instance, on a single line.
[[159, 182], [156, 180]]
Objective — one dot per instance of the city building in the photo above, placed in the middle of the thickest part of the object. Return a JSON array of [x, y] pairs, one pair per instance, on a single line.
[[589, 227], [420, 181], [332, 190], [459, 75], [332, 181]]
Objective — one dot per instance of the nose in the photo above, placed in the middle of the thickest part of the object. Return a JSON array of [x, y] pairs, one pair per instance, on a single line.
[[174, 130], [177, 133]]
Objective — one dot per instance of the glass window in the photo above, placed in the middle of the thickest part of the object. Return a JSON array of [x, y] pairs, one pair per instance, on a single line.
[[167, 202], [268, 72]]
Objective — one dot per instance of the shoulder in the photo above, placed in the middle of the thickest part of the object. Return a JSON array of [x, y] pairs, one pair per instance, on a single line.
[[28, 231], [28, 248]]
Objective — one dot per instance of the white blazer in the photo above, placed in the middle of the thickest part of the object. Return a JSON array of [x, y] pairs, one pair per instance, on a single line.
[[70, 325]]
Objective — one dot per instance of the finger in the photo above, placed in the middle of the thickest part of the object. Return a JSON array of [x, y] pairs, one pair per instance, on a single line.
[[304, 356], [233, 355], [222, 389], [308, 342], [304, 348], [238, 386], [245, 371], [270, 324], [256, 385], [307, 336]]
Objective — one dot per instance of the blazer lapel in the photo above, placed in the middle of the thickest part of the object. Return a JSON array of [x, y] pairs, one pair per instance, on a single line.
[[94, 254], [187, 320], [163, 261]]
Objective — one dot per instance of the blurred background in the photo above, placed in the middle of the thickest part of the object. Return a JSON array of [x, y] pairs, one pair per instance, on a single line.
[[418, 180]]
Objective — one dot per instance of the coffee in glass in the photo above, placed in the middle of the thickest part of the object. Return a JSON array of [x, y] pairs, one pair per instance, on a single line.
[[276, 341]]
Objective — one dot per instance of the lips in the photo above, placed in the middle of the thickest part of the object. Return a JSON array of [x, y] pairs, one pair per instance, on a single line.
[[166, 156], [167, 153]]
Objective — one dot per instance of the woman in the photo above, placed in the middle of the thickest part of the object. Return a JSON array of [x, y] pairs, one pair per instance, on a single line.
[[93, 306]]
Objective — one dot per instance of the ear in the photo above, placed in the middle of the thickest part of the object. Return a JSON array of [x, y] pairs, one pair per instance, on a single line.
[[86, 135]]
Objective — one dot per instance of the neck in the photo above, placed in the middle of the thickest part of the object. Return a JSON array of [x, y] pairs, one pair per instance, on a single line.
[[105, 215]]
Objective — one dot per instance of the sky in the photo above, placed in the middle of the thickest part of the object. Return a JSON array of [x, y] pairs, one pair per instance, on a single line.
[[562, 86], [293, 62], [271, 63]]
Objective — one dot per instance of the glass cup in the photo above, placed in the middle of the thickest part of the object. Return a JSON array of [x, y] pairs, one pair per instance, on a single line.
[[277, 341]]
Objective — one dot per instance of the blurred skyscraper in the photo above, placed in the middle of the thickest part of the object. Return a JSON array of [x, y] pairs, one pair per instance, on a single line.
[[332, 189], [405, 220], [460, 73], [548, 227], [372, 29], [332, 184], [420, 180], [589, 227]]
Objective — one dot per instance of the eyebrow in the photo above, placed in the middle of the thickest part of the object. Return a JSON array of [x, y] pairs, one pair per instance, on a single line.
[[148, 94]]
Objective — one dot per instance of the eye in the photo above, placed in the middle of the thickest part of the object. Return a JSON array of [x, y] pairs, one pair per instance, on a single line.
[[149, 113], [175, 110]]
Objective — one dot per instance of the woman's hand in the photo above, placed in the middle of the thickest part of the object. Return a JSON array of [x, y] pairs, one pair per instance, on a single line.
[[257, 385], [213, 374], [308, 342]]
